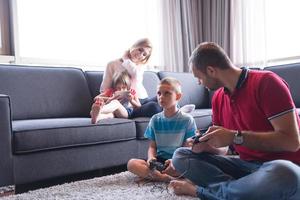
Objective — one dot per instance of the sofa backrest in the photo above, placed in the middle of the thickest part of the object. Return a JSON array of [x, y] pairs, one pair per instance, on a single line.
[[193, 93], [150, 82], [45, 92], [95, 78], [290, 73]]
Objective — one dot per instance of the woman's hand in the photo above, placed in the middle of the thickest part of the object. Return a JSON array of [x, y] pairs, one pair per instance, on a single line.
[[97, 98], [100, 99]]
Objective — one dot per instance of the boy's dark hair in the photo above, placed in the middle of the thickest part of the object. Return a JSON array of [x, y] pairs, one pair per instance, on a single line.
[[122, 77], [209, 54]]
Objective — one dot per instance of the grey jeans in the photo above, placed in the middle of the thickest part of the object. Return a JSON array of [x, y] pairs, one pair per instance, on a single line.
[[222, 177]]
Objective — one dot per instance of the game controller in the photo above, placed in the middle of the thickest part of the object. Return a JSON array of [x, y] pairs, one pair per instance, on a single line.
[[196, 139], [122, 94], [154, 164]]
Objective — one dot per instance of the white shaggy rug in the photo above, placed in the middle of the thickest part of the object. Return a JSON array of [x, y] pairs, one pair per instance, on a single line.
[[118, 186]]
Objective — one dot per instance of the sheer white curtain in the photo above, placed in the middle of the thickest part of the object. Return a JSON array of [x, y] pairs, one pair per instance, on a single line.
[[248, 33], [265, 32]]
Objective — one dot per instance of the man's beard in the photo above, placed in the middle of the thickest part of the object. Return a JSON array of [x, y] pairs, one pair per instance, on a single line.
[[215, 85]]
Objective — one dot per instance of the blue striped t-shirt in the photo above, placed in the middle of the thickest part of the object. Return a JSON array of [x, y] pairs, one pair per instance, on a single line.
[[169, 133]]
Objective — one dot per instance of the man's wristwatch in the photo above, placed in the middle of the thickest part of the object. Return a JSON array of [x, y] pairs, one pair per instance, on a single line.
[[238, 138]]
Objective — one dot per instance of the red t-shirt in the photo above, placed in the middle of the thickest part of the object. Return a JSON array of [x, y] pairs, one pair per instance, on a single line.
[[262, 96]]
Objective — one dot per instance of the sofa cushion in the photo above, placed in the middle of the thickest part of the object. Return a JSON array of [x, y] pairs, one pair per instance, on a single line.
[[203, 118], [141, 124], [44, 134], [45, 92], [150, 82], [193, 93], [290, 73]]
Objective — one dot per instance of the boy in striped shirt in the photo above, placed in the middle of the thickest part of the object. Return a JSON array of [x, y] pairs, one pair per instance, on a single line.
[[167, 131]]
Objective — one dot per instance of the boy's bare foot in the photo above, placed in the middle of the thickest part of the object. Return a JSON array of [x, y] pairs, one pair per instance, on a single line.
[[182, 187], [95, 111], [157, 176]]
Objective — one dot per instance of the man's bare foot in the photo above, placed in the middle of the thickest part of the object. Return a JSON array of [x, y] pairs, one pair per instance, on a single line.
[[96, 110], [183, 188]]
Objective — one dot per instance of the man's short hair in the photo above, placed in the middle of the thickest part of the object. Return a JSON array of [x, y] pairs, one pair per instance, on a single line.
[[173, 82], [209, 54]]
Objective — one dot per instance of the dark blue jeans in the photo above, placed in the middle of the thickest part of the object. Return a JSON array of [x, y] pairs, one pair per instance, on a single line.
[[222, 177], [149, 107]]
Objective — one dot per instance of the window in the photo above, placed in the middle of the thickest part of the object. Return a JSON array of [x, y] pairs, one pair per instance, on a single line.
[[282, 29], [84, 32], [265, 32]]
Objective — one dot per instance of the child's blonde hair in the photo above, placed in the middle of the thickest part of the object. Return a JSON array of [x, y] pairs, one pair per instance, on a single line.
[[173, 82], [122, 77]]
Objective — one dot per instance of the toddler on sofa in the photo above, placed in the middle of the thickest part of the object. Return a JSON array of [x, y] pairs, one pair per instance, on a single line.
[[117, 101]]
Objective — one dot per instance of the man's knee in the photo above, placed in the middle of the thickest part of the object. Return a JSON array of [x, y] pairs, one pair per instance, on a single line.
[[180, 158], [285, 172]]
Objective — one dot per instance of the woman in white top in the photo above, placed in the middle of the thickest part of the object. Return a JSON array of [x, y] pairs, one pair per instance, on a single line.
[[133, 61]]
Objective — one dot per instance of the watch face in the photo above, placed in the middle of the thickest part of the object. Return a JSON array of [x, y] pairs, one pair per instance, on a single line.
[[238, 139]]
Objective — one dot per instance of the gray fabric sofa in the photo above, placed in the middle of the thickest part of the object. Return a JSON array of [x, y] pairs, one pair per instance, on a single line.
[[291, 74], [45, 129]]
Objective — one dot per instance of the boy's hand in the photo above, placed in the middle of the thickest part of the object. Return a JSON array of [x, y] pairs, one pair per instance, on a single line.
[[149, 159], [189, 142], [170, 170]]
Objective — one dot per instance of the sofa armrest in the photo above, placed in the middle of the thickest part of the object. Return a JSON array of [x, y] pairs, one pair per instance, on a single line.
[[6, 158]]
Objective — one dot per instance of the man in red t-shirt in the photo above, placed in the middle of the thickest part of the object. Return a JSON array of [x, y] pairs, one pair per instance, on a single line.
[[254, 112]]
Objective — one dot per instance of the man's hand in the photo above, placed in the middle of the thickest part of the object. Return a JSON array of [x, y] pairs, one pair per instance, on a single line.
[[214, 138], [203, 147], [217, 136]]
